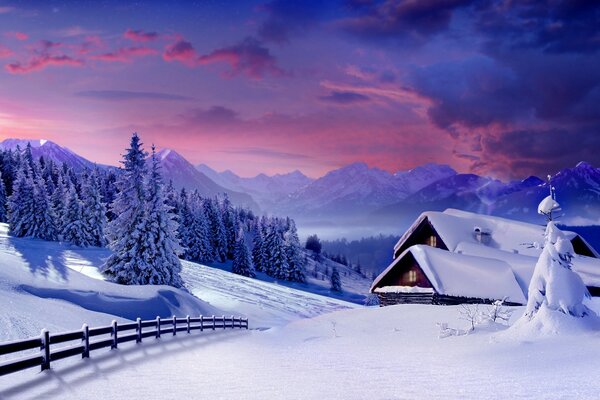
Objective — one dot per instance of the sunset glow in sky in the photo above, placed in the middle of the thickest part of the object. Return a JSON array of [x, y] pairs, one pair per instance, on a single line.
[[504, 88]]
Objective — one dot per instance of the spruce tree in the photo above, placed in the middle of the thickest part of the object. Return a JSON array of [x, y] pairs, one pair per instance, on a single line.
[[21, 204], [242, 263], [231, 228], [258, 250], [59, 204], [336, 282], [295, 260], [74, 230], [94, 211], [159, 244], [126, 265], [216, 230], [3, 201], [277, 266]]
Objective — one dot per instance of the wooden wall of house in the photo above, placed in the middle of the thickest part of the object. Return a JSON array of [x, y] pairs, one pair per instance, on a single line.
[[406, 272], [389, 299], [581, 248], [422, 235]]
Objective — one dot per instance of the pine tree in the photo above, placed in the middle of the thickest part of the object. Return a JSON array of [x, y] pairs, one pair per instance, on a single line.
[[125, 265], [3, 201], [242, 263], [194, 230], [336, 282], [258, 250], [74, 230], [160, 246], [295, 261], [58, 201], [94, 211], [216, 230], [43, 219], [277, 258], [229, 222], [21, 204]]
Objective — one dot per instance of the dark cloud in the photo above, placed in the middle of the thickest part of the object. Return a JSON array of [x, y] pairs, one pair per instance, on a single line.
[[213, 115], [120, 95], [404, 20], [287, 18], [249, 58], [540, 151], [563, 26], [269, 153], [475, 92], [344, 98]]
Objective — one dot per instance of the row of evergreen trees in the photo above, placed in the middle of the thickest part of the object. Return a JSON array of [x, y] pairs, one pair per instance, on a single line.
[[146, 225]]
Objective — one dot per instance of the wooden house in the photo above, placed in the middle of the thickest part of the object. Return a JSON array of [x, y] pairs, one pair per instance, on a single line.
[[455, 257]]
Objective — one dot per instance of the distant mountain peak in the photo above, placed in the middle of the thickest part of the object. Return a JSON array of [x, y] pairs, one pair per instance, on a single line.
[[584, 165], [49, 150]]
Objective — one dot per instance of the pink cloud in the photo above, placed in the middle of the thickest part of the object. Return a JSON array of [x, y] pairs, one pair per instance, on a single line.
[[5, 52], [125, 54], [249, 58], [181, 51], [140, 36], [39, 63], [17, 35]]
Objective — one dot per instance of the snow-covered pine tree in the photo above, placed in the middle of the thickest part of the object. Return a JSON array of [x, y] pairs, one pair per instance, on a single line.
[[294, 256], [277, 261], [216, 230], [21, 204], [242, 262], [259, 256], [3, 201], [94, 211], [59, 204], [231, 228], [75, 230], [43, 219], [554, 284], [200, 227], [193, 229], [159, 261], [335, 280], [126, 265]]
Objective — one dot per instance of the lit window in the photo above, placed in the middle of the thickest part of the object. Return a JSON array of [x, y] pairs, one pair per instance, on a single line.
[[412, 276], [432, 241]]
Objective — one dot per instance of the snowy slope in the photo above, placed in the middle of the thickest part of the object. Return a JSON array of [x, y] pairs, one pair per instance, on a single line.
[[375, 353], [65, 283], [49, 150], [49, 285]]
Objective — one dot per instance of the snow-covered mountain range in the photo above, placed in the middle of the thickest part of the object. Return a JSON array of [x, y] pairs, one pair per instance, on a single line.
[[357, 200], [49, 150]]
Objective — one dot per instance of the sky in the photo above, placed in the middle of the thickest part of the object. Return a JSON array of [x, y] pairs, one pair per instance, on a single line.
[[500, 88]]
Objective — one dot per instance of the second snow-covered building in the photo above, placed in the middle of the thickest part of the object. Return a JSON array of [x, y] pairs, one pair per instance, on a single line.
[[455, 257]]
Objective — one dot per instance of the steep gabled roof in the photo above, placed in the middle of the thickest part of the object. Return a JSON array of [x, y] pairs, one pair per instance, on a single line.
[[454, 274], [455, 227]]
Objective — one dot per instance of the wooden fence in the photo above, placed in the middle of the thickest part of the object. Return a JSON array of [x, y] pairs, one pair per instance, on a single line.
[[86, 345]]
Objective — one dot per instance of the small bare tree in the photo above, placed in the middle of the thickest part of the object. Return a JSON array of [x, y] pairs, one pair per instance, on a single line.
[[470, 313], [498, 312]]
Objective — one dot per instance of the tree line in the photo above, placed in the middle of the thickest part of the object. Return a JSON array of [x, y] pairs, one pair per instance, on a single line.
[[148, 225]]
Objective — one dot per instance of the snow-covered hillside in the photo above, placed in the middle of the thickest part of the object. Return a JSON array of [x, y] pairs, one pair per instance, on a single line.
[[375, 353], [64, 282]]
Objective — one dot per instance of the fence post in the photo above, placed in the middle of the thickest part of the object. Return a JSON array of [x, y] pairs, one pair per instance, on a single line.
[[114, 335], [86, 341], [246, 319], [187, 319], [201, 323], [174, 325], [223, 321], [46, 349], [139, 330], [214, 323], [157, 327]]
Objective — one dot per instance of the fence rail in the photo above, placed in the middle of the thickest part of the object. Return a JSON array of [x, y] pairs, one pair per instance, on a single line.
[[160, 327]]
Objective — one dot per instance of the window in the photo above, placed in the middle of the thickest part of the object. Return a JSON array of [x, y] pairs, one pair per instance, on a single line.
[[431, 241], [412, 276]]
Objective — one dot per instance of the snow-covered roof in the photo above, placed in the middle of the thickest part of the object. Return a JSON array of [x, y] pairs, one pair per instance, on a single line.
[[457, 227], [454, 274]]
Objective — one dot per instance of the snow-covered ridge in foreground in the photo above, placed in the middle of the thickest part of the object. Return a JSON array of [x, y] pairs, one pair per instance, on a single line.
[[377, 353]]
